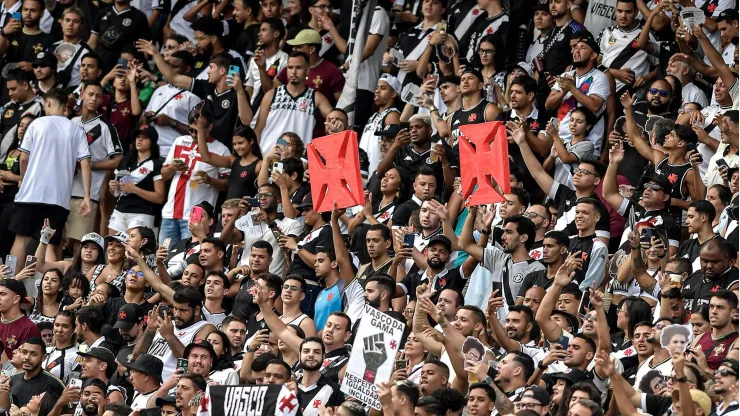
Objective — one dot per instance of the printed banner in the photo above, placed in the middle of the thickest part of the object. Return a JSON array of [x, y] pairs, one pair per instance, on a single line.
[[373, 354], [262, 400]]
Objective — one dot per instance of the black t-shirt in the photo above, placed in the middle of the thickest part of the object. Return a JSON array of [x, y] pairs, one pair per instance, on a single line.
[[25, 47], [403, 212], [536, 278], [244, 301], [690, 248], [408, 161], [707, 287], [12, 114], [124, 357], [117, 30], [448, 279], [22, 390], [223, 106], [313, 243], [254, 324], [240, 39], [142, 175], [111, 307], [661, 219]]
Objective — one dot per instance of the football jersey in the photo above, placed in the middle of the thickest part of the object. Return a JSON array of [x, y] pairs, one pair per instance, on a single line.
[[289, 113], [161, 349], [595, 83], [175, 103], [183, 196], [369, 142], [619, 51], [102, 138]]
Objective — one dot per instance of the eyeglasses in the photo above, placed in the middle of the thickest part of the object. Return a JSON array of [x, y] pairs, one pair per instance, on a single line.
[[138, 274], [291, 288], [577, 171], [532, 215], [659, 326], [663, 93], [168, 47], [192, 130], [724, 372], [486, 52], [529, 406], [265, 195]]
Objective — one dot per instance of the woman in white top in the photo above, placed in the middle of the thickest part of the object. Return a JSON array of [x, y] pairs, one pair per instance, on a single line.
[[415, 356], [222, 372]]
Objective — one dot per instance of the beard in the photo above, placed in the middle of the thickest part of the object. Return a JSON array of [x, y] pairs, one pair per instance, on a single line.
[[435, 263], [90, 409], [658, 108], [375, 303], [653, 340], [580, 64], [307, 367]]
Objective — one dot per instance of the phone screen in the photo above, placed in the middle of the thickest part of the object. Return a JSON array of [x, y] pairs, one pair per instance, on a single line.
[[196, 215], [408, 240]]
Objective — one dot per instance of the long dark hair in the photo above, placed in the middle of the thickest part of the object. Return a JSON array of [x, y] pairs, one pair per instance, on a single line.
[[225, 360], [151, 240], [251, 136], [639, 311], [60, 292], [76, 266], [47, 403], [131, 160]]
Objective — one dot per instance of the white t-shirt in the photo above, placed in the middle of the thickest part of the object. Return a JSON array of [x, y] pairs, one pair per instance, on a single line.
[[665, 368], [690, 93], [370, 67], [716, 8], [595, 83], [712, 177], [102, 138], [710, 113], [178, 24], [287, 226], [279, 61], [57, 139], [227, 377], [600, 15], [617, 51], [176, 108], [182, 197]]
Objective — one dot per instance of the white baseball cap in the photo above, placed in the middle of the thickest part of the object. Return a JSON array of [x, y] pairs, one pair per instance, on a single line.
[[392, 81]]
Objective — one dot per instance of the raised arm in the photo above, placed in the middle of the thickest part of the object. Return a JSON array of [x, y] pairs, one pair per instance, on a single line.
[[152, 278], [466, 241], [340, 250], [277, 326], [495, 302], [534, 167], [421, 328], [177, 80], [633, 131], [610, 189], [565, 274]]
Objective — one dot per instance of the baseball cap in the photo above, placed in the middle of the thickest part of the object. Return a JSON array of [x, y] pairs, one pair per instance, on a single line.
[[699, 397], [101, 353], [473, 71], [392, 81], [442, 240], [573, 375], [307, 202], [306, 37], [390, 130], [537, 393], [591, 42], [542, 7], [128, 316], [663, 181], [523, 66], [164, 401], [95, 238], [16, 286], [728, 15], [202, 343], [148, 131], [119, 236], [45, 59], [149, 365]]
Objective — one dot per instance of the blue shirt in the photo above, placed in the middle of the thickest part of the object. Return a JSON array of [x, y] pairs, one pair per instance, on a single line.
[[329, 301]]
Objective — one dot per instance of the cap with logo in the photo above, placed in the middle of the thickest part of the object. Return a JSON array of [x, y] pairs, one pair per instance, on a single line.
[[120, 236], [45, 59], [103, 354], [391, 130], [95, 238], [148, 131], [129, 315]]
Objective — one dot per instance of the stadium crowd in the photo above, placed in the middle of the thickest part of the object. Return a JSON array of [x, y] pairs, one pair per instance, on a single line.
[[160, 237]]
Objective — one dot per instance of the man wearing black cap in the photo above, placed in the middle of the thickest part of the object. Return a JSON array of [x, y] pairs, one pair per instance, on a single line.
[[584, 86], [45, 71], [15, 327], [534, 398], [474, 109], [146, 378], [131, 326], [100, 363], [167, 404]]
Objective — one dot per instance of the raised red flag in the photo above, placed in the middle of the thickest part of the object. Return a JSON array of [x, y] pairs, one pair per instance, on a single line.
[[334, 166], [484, 163]]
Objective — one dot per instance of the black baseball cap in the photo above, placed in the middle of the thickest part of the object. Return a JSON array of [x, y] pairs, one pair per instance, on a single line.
[[573, 375], [591, 42], [442, 240], [572, 320], [45, 59], [148, 131], [307, 202], [537, 393], [663, 181], [165, 401], [149, 365], [101, 353], [542, 7], [202, 343], [390, 130], [16, 286], [728, 15], [471, 70], [128, 316]]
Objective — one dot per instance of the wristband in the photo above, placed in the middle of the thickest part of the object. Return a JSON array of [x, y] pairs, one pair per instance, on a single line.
[[488, 380], [681, 379], [541, 366]]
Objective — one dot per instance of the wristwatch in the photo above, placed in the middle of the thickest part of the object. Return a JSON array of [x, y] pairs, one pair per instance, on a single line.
[[173, 124], [542, 366], [433, 109], [250, 349], [680, 379]]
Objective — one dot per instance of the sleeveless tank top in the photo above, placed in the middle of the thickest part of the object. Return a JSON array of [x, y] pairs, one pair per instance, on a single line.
[[297, 320], [716, 350], [242, 180], [461, 117], [161, 349], [369, 142], [288, 113], [118, 282]]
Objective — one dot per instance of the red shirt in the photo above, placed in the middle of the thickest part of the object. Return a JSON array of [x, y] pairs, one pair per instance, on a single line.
[[325, 78], [123, 120], [14, 333]]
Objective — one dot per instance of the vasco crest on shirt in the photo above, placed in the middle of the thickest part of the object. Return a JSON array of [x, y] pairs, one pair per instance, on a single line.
[[11, 341], [38, 48], [303, 105], [8, 113]]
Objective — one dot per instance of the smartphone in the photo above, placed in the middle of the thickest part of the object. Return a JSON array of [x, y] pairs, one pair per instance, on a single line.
[[17, 16], [253, 202], [182, 363], [585, 304], [646, 235], [233, 71], [164, 310], [123, 63], [166, 243], [555, 122], [408, 240], [563, 342], [442, 26], [275, 230], [405, 125], [282, 142], [277, 167], [154, 411], [74, 375], [31, 260], [722, 162], [11, 261], [401, 364], [196, 215]]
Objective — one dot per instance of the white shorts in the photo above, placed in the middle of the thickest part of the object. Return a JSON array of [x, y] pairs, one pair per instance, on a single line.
[[121, 221]]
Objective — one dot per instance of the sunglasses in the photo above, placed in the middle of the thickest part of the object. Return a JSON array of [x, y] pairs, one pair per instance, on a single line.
[[138, 274], [532, 215], [654, 187], [663, 93], [724, 372]]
